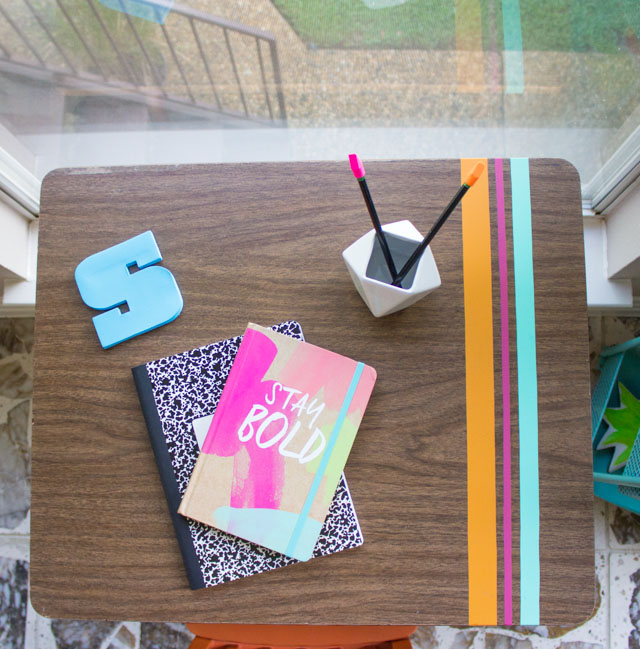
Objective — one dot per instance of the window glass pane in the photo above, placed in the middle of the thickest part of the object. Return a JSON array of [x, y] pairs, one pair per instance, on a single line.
[[133, 81]]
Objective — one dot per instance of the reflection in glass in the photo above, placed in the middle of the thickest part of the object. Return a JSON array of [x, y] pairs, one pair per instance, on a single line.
[[476, 77]]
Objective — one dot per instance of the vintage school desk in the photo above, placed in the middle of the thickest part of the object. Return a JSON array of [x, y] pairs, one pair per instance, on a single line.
[[471, 473]]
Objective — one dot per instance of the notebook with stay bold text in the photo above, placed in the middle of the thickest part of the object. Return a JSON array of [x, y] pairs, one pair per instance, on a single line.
[[278, 442]]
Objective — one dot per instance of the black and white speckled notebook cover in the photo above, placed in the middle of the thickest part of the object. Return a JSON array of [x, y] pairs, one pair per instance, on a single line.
[[176, 390]]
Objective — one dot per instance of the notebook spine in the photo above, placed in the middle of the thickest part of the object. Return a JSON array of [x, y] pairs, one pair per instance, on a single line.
[[167, 476]]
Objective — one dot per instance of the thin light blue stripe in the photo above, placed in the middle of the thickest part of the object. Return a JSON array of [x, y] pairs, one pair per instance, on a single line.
[[513, 61], [333, 438], [527, 393]]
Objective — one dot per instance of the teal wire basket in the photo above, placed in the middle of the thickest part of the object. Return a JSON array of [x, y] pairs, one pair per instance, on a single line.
[[618, 363]]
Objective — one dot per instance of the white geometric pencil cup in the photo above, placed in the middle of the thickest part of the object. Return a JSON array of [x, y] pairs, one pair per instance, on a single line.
[[371, 275]]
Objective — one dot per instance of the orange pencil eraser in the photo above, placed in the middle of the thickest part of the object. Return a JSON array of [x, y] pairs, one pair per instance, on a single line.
[[476, 172]]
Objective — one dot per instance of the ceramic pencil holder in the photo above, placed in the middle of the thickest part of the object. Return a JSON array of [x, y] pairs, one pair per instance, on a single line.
[[371, 275]]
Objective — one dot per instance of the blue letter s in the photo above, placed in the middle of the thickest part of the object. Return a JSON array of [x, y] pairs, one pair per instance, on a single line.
[[152, 295]]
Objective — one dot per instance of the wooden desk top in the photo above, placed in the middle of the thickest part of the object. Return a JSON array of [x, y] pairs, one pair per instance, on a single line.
[[263, 242]]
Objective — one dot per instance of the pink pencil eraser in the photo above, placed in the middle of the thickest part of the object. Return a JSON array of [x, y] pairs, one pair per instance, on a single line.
[[356, 165]]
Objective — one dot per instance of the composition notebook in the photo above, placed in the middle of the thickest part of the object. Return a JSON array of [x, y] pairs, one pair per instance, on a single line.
[[278, 442], [179, 394]]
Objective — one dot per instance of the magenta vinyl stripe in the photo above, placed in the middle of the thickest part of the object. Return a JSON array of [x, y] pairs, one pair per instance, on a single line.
[[506, 394]]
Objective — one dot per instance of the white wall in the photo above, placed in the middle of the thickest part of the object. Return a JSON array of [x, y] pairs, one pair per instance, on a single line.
[[623, 237], [17, 172], [14, 241], [19, 202], [602, 293], [18, 257]]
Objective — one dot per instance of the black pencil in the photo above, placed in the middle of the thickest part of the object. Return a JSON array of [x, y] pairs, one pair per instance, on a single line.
[[358, 171], [476, 172]]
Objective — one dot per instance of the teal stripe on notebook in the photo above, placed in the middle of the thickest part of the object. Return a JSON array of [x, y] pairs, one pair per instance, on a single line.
[[527, 393], [513, 60], [322, 467]]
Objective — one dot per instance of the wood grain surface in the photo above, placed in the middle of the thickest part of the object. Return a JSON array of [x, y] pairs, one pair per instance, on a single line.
[[263, 242]]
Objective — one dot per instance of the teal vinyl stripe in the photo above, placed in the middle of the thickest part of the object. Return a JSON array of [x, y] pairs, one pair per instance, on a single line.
[[527, 393], [513, 60], [322, 467]]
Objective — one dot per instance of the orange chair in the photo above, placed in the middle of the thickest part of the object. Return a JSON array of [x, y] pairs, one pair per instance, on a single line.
[[270, 636]]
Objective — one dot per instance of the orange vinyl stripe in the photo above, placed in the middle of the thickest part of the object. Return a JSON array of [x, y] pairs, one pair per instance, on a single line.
[[481, 472]]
